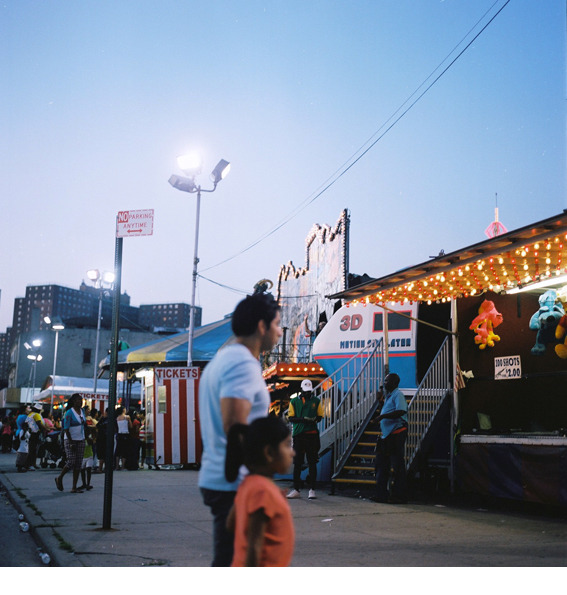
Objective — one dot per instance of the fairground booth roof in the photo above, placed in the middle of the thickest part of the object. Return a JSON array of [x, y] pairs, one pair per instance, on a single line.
[[510, 262], [62, 387], [207, 340], [294, 371]]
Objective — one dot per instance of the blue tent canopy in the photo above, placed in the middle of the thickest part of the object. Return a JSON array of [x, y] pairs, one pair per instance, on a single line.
[[207, 340]]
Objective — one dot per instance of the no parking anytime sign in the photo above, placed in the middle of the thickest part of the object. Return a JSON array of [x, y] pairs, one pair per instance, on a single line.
[[135, 223]]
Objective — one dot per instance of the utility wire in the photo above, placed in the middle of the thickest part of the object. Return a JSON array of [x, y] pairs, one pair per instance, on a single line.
[[242, 291], [349, 164]]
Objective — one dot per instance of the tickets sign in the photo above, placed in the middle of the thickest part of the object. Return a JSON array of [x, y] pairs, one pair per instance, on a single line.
[[135, 223]]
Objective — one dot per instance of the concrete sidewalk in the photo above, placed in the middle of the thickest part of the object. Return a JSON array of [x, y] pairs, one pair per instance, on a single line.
[[158, 519]]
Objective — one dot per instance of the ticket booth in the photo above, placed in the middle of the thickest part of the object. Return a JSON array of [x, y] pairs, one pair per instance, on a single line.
[[172, 422]]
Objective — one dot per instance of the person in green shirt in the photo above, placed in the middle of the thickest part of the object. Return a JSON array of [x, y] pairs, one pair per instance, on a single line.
[[304, 412]]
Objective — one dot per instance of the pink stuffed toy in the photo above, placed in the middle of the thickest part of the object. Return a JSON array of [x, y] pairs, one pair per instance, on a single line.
[[488, 319]]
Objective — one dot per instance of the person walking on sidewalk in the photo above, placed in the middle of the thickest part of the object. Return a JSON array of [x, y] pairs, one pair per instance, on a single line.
[[123, 441], [260, 518], [390, 447], [36, 428], [304, 413], [232, 390], [74, 431]]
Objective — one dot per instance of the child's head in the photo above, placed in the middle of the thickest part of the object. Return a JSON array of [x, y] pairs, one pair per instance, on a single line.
[[265, 443]]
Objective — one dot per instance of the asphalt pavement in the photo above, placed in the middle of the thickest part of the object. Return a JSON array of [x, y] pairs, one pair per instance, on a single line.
[[157, 519]]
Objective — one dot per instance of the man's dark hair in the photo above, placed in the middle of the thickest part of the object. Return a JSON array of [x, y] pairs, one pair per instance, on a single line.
[[252, 309]]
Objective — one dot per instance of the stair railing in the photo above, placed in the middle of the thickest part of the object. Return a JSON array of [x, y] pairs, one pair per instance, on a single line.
[[427, 400], [347, 397]]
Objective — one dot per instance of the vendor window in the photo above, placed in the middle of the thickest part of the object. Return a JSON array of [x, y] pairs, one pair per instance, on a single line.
[[162, 399]]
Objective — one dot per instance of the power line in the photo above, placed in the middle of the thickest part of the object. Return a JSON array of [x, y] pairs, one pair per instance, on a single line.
[[353, 160], [242, 291]]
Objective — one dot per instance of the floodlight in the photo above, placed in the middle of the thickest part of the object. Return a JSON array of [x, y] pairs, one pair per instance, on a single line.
[[220, 172], [108, 278], [184, 184], [191, 164]]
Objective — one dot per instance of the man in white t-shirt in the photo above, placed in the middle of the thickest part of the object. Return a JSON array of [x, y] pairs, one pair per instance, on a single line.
[[232, 390]]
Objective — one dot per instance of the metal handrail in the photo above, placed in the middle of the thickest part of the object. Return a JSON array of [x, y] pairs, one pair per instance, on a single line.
[[289, 352], [348, 397], [427, 400]]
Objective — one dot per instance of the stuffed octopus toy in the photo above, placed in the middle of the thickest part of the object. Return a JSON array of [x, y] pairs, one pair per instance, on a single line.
[[484, 324]]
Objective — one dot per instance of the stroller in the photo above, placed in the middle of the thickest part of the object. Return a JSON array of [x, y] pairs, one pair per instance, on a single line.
[[50, 451]]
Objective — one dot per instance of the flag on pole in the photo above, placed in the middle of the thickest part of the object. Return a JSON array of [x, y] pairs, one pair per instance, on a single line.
[[459, 379]]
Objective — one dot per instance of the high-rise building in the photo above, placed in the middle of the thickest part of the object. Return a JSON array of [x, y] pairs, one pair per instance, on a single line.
[[78, 308], [168, 316]]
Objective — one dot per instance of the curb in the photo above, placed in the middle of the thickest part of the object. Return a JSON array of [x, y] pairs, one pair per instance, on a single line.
[[44, 536]]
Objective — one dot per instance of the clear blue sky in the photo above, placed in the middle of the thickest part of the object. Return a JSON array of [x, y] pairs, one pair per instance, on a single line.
[[100, 97]]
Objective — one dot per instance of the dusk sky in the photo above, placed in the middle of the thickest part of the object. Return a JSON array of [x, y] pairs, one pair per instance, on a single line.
[[100, 97]]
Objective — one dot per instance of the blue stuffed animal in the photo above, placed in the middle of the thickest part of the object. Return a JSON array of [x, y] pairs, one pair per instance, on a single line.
[[545, 320]]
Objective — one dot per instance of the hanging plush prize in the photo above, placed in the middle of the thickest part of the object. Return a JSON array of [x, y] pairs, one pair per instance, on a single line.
[[545, 320], [484, 324]]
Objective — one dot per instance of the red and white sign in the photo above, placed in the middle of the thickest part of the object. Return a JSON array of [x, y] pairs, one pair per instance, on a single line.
[[135, 223], [177, 438]]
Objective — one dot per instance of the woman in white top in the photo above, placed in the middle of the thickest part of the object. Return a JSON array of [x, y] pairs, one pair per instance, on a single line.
[[123, 428], [74, 433]]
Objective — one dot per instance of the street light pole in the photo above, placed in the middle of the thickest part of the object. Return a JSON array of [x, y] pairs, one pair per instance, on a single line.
[[35, 356], [56, 325], [95, 375], [194, 283], [95, 276], [191, 165], [54, 369]]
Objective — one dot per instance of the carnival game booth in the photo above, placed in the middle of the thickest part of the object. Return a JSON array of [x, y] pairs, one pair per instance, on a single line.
[[60, 388], [169, 390], [504, 302]]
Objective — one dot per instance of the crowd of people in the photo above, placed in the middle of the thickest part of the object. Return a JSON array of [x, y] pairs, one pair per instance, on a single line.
[[243, 445], [74, 438]]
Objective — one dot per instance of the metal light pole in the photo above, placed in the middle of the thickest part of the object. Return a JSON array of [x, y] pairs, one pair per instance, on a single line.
[[35, 357], [99, 279], [56, 326], [191, 165]]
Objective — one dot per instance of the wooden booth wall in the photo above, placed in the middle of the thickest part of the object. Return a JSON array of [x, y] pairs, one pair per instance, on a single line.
[[537, 402]]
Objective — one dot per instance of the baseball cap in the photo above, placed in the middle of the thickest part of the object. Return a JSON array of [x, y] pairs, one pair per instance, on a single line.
[[306, 385]]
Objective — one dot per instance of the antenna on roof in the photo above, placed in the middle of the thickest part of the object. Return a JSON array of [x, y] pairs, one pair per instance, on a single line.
[[495, 228]]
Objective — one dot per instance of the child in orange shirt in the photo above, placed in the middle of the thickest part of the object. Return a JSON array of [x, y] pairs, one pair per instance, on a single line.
[[261, 517]]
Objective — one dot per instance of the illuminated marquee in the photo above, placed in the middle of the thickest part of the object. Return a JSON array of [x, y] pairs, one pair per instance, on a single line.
[[302, 291]]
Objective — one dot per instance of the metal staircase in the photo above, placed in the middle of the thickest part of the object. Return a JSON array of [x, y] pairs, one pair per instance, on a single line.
[[350, 404], [432, 394], [348, 395]]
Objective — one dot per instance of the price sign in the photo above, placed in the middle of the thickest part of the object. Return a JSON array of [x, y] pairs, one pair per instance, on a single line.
[[508, 368]]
